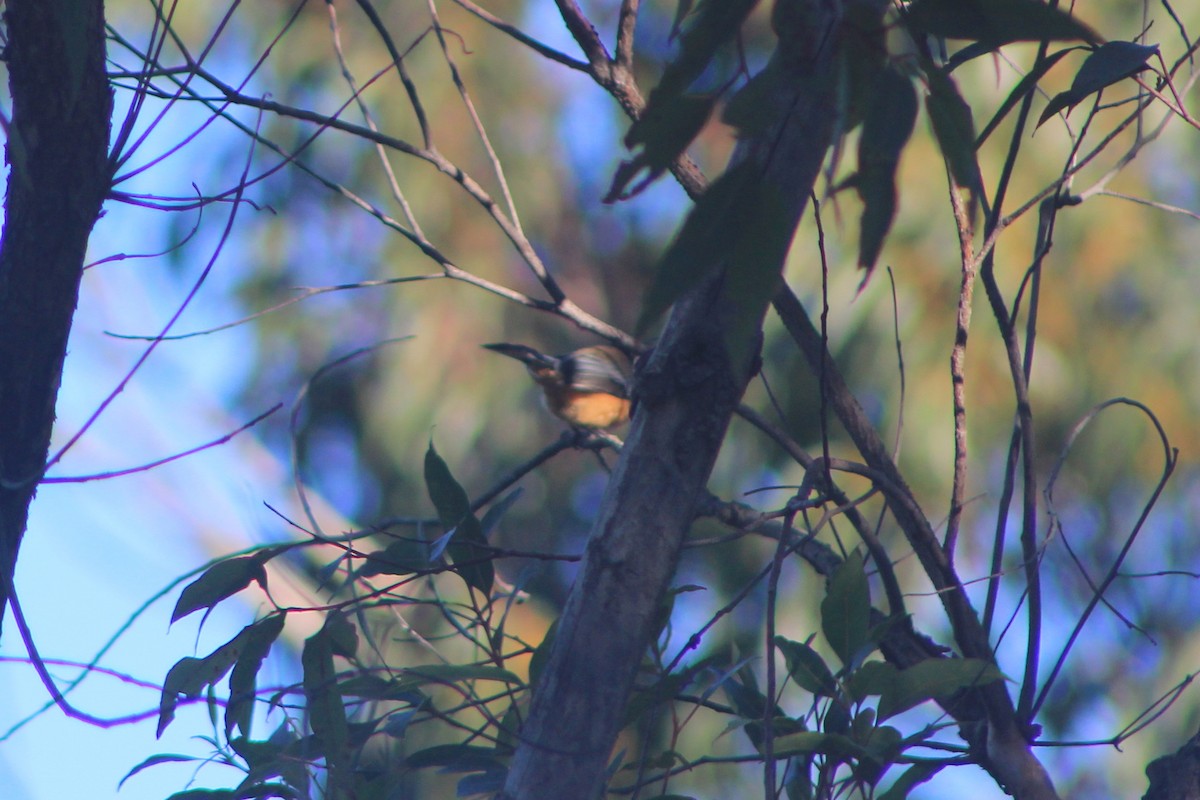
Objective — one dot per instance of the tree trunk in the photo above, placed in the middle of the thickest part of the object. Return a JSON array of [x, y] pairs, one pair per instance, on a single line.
[[687, 393], [1176, 776], [59, 175]]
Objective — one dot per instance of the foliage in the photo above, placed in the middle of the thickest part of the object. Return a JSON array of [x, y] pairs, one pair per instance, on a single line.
[[801, 646]]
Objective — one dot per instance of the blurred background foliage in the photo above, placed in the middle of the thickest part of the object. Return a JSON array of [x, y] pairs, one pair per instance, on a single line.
[[1117, 318]]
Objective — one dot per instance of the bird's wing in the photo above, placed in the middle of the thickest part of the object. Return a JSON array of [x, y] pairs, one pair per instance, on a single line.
[[598, 369]]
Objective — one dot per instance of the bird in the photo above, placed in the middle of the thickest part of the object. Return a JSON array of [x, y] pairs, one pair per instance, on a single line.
[[588, 388]]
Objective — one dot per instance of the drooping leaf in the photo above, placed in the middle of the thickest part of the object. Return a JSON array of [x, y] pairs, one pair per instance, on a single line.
[[1023, 87], [462, 757], [243, 681], [161, 758], [449, 498], [753, 109], [682, 9], [690, 256], [452, 673], [748, 700], [662, 691], [830, 744], [933, 678], [189, 677], [326, 712], [910, 779], [954, 129], [837, 718], [806, 667], [468, 548], [375, 687], [755, 267], [281, 756], [886, 130], [674, 114], [666, 688], [996, 22], [222, 580], [403, 556], [872, 679], [881, 745], [665, 129], [740, 223], [846, 610], [712, 25], [541, 654], [1108, 64], [342, 635], [397, 723]]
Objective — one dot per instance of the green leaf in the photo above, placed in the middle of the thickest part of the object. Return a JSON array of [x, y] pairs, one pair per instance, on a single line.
[[673, 115], [666, 128], [881, 745], [282, 756], [189, 676], [744, 694], [510, 725], [1108, 64], [753, 109], [754, 269], [837, 718], [846, 610], [221, 580], [537, 662], [783, 726], [373, 687], [459, 756], [714, 24], [326, 713], [873, 678], [161, 758], [805, 742], [682, 9], [401, 557], [910, 779], [468, 548], [742, 202], [695, 250], [243, 681], [954, 129], [1023, 87], [343, 636], [806, 667], [932, 678], [663, 690], [452, 673], [205, 794], [996, 22], [886, 130], [449, 498]]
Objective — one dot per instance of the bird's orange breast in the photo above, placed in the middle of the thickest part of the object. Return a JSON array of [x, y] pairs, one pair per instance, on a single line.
[[588, 409]]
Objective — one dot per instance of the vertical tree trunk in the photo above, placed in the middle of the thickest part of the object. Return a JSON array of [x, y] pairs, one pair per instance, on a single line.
[[688, 392], [57, 152]]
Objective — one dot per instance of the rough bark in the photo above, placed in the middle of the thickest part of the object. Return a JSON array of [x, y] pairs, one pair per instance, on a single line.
[[1177, 776], [57, 151], [688, 393]]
